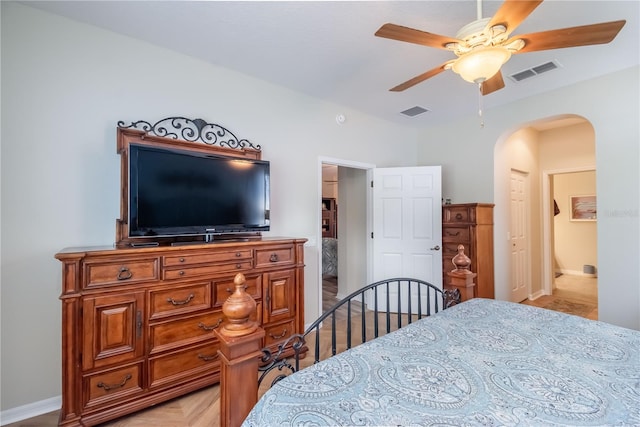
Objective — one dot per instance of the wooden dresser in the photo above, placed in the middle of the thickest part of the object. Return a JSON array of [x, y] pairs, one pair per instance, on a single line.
[[137, 323], [470, 224]]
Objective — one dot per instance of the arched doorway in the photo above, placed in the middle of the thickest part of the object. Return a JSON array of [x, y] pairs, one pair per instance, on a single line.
[[538, 149]]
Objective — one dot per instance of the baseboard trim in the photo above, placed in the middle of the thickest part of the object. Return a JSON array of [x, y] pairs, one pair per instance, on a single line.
[[30, 410], [536, 295]]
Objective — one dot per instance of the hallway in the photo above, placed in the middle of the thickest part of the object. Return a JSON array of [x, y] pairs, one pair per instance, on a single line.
[[572, 294]]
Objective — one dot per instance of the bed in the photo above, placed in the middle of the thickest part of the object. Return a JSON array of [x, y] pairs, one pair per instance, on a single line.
[[481, 362], [329, 257]]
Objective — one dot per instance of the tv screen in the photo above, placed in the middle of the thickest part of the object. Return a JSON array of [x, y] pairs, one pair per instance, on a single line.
[[180, 193]]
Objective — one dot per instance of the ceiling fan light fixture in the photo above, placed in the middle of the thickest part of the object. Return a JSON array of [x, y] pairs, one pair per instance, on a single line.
[[481, 64]]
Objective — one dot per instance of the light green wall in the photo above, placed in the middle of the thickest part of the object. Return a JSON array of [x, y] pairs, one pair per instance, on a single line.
[[611, 104], [64, 87]]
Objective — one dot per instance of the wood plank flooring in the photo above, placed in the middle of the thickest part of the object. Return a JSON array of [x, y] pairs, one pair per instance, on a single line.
[[573, 294]]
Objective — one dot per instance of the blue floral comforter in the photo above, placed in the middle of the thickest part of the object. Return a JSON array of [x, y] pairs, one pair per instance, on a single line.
[[480, 363]]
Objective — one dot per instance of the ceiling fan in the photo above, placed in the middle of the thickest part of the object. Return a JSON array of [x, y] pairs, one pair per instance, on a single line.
[[484, 45]]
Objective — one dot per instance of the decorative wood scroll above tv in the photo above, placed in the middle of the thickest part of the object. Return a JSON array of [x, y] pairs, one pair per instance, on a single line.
[[175, 189]]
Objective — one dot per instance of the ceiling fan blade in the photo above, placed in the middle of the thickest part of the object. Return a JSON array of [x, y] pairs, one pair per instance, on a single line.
[[493, 84], [410, 35], [512, 13], [570, 37], [419, 79]]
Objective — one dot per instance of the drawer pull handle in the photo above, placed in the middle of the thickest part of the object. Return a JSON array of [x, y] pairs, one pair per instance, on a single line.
[[209, 328], [230, 291], [207, 358], [238, 265], [449, 233], [238, 254], [186, 301], [181, 273], [277, 337], [139, 324], [273, 258], [108, 387], [181, 260], [124, 273], [458, 216]]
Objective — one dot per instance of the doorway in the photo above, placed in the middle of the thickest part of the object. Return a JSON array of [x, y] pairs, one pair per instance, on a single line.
[[572, 247], [343, 256], [354, 205], [550, 146]]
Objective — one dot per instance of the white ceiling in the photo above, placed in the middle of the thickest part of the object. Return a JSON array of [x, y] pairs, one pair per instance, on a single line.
[[327, 49]]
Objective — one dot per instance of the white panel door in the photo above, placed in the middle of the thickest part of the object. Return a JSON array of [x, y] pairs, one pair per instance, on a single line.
[[407, 223], [519, 238]]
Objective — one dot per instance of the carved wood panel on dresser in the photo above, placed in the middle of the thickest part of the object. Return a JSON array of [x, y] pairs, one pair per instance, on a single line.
[[137, 323], [471, 225]]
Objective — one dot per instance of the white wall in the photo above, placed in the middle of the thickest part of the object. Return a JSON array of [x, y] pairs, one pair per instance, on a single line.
[[64, 87], [611, 104]]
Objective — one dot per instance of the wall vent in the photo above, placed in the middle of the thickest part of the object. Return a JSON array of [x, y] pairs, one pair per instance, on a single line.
[[414, 111], [534, 71]]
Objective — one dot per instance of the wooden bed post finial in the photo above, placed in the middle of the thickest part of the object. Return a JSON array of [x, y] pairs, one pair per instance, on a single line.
[[240, 344], [238, 308], [460, 260], [461, 278]]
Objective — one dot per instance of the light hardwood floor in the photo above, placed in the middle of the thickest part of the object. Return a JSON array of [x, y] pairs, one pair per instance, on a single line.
[[573, 294]]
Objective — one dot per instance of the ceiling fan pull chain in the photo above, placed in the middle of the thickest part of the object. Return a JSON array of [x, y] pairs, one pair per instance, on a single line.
[[480, 105]]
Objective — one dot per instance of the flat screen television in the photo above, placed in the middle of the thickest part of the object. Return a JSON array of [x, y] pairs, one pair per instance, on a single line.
[[175, 192]]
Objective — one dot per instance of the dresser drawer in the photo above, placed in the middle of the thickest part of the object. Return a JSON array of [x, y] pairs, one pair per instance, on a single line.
[[184, 331], [105, 387], [225, 287], [207, 258], [456, 235], [455, 214], [120, 272], [181, 365], [179, 300], [203, 270], [449, 250], [281, 255], [275, 334]]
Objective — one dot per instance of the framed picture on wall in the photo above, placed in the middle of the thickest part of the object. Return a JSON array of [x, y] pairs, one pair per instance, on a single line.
[[583, 208]]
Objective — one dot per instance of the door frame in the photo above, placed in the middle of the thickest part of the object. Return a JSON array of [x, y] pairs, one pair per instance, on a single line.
[[547, 216]]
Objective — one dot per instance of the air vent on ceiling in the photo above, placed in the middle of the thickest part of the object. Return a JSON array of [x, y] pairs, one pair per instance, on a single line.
[[534, 71], [414, 111]]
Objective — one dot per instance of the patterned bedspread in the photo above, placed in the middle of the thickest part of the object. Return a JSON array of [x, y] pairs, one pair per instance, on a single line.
[[480, 363], [329, 256]]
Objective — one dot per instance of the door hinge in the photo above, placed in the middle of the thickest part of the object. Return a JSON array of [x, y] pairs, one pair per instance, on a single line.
[[371, 183], [372, 234]]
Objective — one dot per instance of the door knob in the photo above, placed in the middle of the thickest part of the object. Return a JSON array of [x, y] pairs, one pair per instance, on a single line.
[[435, 248]]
